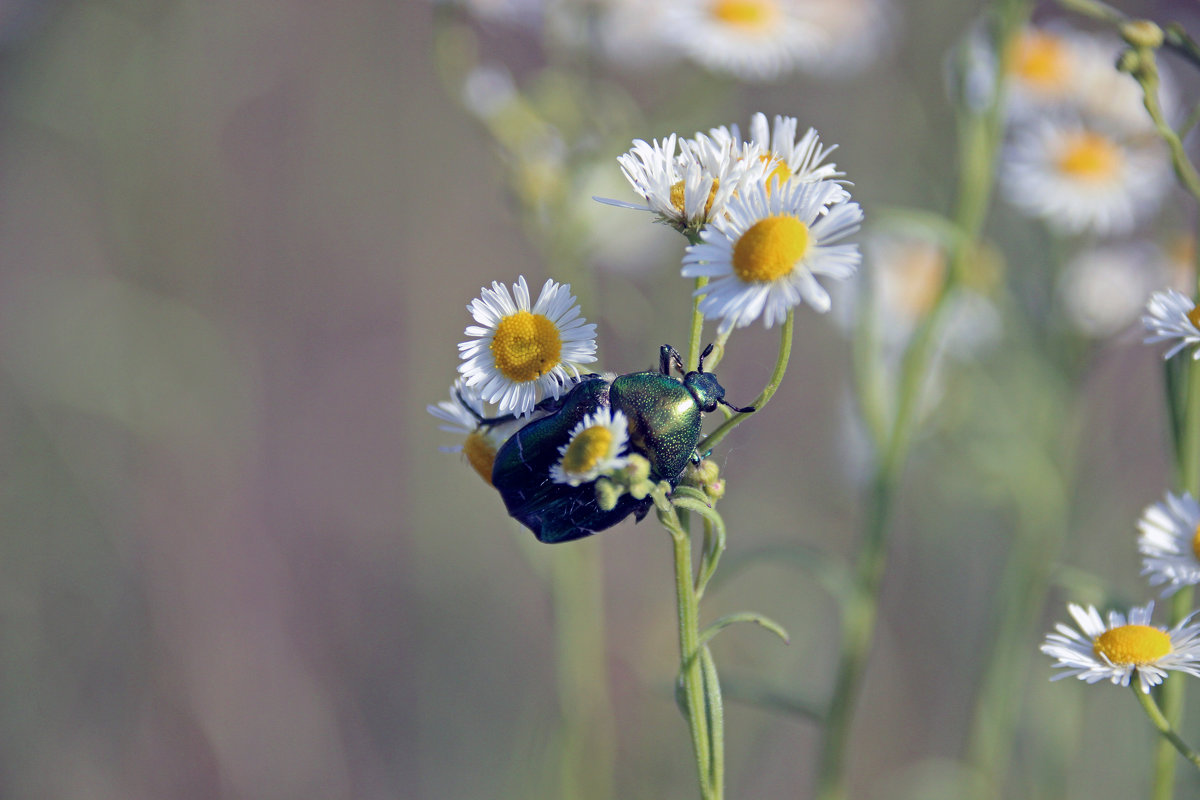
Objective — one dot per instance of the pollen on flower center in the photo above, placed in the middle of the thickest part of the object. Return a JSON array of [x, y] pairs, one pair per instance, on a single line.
[[1194, 316], [756, 14], [1040, 59], [480, 453], [526, 346], [1089, 156], [586, 450], [1133, 645], [769, 249], [677, 196]]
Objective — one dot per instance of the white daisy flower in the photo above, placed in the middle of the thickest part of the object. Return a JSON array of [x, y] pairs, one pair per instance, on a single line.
[[597, 445], [690, 188], [1169, 541], [1079, 178], [765, 253], [522, 353], [1104, 289], [1114, 651], [629, 34], [1057, 69], [904, 278], [754, 40], [852, 34], [1171, 315], [785, 157], [1043, 70], [462, 413]]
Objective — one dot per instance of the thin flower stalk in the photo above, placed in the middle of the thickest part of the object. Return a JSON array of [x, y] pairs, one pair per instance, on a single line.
[[980, 141], [1159, 720]]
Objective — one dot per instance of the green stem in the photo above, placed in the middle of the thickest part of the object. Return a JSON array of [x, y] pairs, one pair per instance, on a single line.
[[1187, 469], [979, 138], [781, 362], [1164, 727], [716, 718], [691, 672], [697, 328]]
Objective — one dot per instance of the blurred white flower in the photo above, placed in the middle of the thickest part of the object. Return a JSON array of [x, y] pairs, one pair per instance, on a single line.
[[755, 40], [1078, 178], [1104, 289], [852, 34]]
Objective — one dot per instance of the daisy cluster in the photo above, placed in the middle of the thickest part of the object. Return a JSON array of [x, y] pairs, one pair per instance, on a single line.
[[1123, 645], [753, 40], [765, 215], [1082, 153]]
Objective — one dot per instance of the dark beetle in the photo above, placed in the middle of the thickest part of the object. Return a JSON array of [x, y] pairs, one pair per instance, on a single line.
[[664, 416]]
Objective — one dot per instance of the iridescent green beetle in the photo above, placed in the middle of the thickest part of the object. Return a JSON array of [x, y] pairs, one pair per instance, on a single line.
[[664, 416]]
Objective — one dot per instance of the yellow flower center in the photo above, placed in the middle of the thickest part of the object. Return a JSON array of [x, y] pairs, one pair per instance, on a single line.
[[677, 198], [480, 453], [1040, 60], [779, 173], [769, 249], [586, 450], [1196, 542], [1132, 644], [749, 14], [1088, 156], [1194, 316], [526, 346]]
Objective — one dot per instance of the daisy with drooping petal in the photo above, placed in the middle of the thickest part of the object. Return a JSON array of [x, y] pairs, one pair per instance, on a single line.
[[754, 40], [1113, 652], [784, 157], [520, 352], [1172, 316], [462, 413], [1169, 541], [687, 189], [597, 445], [765, 254], [1080, 178]]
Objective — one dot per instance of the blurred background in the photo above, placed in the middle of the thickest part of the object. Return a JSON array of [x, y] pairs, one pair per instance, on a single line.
[[237, 240]]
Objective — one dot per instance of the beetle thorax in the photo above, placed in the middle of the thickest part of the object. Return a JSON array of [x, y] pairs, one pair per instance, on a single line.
[[704, 387]]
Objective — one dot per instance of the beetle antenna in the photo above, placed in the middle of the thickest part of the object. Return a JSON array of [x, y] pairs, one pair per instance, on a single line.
[[704, 355], [745, 410]]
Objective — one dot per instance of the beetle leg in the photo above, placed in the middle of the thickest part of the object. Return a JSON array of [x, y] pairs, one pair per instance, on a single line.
[[668, 355], [745, 410], [480, 418]]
